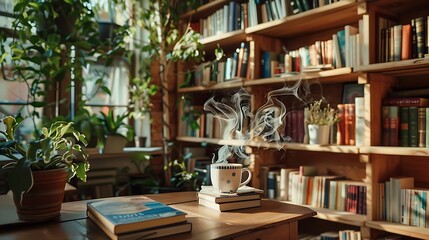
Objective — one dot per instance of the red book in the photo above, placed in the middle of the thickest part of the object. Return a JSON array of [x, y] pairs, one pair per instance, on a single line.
[[394, 126], [350, 124], [406, 41], [341, 125]]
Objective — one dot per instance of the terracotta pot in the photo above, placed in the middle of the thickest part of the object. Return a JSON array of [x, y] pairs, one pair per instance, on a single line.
[[43, 201]]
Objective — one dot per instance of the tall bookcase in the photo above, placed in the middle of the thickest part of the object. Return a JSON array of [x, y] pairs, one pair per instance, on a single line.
[[371, 162]]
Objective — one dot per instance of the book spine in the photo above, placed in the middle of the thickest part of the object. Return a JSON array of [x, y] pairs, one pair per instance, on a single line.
[[385, 127], [394, 126], [413, 126], [406, 42], [350, 136], [404, 140], [422, 126], [360, 121], [341, 125], [397, 42], [427, 127], [420, 36]]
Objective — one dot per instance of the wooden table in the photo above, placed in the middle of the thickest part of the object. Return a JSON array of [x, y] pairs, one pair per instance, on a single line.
[[273, 220]]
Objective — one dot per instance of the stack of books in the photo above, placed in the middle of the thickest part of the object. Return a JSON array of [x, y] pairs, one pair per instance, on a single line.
[[137, 218], [245, 197]]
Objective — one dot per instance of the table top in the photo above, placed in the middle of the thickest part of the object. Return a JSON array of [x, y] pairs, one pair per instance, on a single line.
[[206, 223]]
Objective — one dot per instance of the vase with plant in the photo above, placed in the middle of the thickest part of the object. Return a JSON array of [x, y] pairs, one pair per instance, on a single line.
[[38, 170], [319, 120], [116, 132]]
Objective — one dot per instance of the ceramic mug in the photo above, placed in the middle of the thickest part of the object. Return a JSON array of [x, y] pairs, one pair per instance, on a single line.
[[226, 177]]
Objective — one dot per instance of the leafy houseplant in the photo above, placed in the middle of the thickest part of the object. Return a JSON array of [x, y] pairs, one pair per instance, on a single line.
[[319, 119], [54, 149], [112, 127]]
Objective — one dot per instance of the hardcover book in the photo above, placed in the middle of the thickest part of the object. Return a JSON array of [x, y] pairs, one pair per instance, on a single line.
[[123, 215], [209, 193], [229, 206], [151, 233]]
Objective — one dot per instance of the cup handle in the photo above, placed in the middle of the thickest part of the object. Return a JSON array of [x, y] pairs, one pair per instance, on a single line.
[[249, 177]]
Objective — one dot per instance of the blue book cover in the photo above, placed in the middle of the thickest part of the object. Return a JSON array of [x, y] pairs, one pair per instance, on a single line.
[[342, 45], [128, 214]]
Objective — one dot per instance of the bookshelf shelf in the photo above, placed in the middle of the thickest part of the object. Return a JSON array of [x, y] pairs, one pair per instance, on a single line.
[[411, 231], [306, 147], [335, 14], [329, 76], [403, 68], [225, 40], [236, 83], [337, 216], [204, 10], [231, 142], [403, 151]]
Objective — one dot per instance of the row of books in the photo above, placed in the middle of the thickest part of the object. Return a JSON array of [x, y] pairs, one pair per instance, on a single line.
[[245, 197], [261, 11], [404, 41], [303, 186], [137, 218], [340, 235], [236, 65], [388, 195], [404, 122], [345, 49], [234, 15], [348, 130]]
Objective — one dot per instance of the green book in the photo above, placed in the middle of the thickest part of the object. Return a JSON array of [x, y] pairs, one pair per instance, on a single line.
[[413, 127], [404, 132]]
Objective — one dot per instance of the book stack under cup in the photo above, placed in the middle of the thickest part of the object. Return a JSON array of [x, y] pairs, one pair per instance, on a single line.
[[245, 197], [137, 218]]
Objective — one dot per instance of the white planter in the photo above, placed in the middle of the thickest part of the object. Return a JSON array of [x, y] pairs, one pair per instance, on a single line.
[[318, 134]]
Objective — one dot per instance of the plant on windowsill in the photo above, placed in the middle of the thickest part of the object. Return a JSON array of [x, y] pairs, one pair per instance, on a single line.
[[319, 119], [116, 132], [39, 169]]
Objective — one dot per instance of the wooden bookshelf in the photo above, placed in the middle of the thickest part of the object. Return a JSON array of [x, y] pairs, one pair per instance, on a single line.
[[371, 162]]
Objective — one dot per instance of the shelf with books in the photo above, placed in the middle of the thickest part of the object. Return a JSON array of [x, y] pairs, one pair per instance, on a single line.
[[399, 68], [403, 151], [225, 39], [338, 216], [411, 231], [339, 75], [306, 147], [235, 83], [336, 14], [205, 9]]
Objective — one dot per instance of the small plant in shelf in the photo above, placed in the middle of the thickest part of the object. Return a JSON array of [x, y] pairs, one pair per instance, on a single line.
[[318, 115], [319, 119]]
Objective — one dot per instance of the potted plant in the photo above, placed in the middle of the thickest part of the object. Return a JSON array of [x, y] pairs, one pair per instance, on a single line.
[[116, 132], [319, 120], [39, 169]]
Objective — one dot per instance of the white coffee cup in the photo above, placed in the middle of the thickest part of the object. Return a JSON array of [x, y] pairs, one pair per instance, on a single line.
[[226, 177]]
